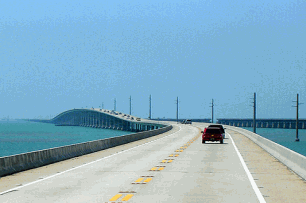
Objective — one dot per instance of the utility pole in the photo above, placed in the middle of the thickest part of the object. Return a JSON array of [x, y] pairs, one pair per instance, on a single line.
[[212, 110], [115, 104], [130, 105], [254, 113], [102, 105], [150, 107], [297, 119], [177, 108]]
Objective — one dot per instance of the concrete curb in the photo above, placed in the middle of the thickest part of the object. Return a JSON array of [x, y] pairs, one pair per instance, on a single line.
[[293, 160], [21, 162]]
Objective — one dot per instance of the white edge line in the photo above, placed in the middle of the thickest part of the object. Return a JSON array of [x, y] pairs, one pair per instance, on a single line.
[[52, 176], [254, 186]]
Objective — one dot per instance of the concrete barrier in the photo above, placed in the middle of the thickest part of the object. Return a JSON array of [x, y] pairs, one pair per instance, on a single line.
[[21, 162], [293, 160]]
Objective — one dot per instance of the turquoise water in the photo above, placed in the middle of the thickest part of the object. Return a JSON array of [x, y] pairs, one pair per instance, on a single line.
[[285, 137], [18, 137]]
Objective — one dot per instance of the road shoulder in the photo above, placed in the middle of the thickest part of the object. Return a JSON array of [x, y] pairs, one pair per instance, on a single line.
[[276, 182]]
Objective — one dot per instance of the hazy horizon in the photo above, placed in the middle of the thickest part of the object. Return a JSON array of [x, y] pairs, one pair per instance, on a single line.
[[60, 55]]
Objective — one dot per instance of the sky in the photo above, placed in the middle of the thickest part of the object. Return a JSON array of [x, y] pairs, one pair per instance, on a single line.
[[64, 54]]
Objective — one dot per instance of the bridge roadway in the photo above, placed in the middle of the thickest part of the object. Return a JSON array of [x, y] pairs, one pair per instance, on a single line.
[[172, 167]]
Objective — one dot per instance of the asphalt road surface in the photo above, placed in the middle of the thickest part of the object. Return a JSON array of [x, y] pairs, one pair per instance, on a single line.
[[175, 168]]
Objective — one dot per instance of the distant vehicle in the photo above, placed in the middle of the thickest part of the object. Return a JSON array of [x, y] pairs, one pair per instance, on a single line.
[[218, 126], [138, 119], [213, 134], [183, 122], [188, 121]]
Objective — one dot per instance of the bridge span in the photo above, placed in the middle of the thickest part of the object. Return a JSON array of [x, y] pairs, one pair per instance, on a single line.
[[96, 118], [102, 118], [171, 167], [264, 123]]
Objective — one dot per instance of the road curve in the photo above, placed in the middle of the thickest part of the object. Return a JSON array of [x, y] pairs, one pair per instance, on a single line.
[[174, 168]]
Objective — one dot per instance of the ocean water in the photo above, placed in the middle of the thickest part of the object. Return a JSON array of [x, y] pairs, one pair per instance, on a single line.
[[18, 137], [285, 137]]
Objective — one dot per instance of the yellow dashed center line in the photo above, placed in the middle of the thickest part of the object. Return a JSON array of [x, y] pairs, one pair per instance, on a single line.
[[127, 197], [139, 180], [160, 168], [157, 168], [114, 198], [147, 180]]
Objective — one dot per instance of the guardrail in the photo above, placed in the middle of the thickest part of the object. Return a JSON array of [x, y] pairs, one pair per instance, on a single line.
[[293, 160], [20, 162]]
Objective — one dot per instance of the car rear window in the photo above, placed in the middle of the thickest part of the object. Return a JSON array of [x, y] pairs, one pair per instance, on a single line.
[[213, 131], [214, 125], [217, 126]]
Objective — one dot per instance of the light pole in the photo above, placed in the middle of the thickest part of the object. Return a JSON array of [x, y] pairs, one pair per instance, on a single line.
[[115, 104], [254, 114], [177, 109], [130, 105], [150, 107], [297, 119], [212, 110]]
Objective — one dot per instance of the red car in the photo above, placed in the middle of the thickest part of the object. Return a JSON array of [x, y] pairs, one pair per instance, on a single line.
[[221, 128], [212, 134]]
